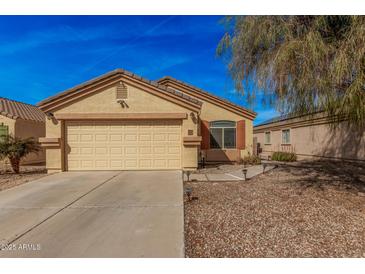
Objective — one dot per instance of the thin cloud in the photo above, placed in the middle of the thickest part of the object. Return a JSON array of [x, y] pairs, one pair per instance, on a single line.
[[59, 34], [131, 42]]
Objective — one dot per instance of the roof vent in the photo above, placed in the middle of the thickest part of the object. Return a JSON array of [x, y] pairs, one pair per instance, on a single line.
[[121, 92]]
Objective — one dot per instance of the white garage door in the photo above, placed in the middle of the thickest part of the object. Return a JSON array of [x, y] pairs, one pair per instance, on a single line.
[[123, 145]]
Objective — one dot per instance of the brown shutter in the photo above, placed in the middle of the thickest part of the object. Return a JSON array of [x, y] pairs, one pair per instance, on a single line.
[[204, 129], [241, 136]]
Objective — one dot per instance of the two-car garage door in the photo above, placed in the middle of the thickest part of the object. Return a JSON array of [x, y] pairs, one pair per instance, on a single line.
[[123, 145]]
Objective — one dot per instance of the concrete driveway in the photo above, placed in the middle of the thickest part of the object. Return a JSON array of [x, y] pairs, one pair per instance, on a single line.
[[94, 214]]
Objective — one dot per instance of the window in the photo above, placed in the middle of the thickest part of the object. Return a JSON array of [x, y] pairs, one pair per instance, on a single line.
[[223, 134], [285, 136], [4, 131], [268, 137]]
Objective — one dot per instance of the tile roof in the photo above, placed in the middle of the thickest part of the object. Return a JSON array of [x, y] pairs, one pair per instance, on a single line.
[[14, 110], [125, 72], [285, 117], [166, 78]]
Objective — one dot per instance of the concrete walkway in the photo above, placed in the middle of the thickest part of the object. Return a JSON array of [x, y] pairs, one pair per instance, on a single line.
[[235, 175], [94, 214]]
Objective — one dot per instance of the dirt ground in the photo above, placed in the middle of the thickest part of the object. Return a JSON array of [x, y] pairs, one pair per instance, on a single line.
[[305, 209], [8, 179]]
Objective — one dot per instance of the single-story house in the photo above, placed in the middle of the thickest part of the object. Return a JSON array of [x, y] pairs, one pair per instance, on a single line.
[[23, 120], [121, 121], [310, 137]]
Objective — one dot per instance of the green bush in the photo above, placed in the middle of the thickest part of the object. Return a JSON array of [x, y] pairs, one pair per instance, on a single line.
[[15, 149], [284, 156], [251, 160]]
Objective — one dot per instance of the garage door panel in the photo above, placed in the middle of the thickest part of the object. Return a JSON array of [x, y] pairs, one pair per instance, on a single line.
[[130, 137], [73, 164], [131, 164], [118, 145], [101, 164], [101, 151], [173, 137], [101, 127], [114, 127], [159, 137], [160, 163], [116, 151], [116, 137], [173, 150], [86, 150], [116, 164], [159, 150], [143, 150], [86, 137], [145, 137], [74, 151], [171, 163], [86, 126], [131, 151], [73, 137], [87, 164], [101, 137], [145, 163]]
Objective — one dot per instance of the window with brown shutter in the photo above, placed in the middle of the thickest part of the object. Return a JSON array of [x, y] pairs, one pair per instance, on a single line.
[[222, 134]]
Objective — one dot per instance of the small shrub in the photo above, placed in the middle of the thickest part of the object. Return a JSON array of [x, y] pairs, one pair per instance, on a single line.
[[251, 160], [15, 149], [284, 156]]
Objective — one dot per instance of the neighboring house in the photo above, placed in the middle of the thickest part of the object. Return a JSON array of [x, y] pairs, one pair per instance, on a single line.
[[120, 121], [23, 120], [310, 137]]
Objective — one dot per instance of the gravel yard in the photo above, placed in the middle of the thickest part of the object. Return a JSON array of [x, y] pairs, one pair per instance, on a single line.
[[9, 179], [298, 210]]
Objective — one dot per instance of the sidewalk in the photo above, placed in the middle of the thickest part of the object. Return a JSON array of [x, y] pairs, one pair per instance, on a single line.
[[236, 175]]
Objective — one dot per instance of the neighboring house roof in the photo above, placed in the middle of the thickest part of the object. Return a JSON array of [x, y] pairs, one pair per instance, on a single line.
[[276, 119], [202, 94], [285, 117], [46, 104], [296, 120], [14, 110]]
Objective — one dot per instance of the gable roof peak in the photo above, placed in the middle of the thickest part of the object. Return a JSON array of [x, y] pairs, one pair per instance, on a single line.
[[118, 73], [164, 80]]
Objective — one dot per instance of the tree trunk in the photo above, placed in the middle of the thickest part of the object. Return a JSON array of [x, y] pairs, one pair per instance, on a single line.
[[15, 163]]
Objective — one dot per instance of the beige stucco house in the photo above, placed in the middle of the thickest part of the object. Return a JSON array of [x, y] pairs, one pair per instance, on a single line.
[[120, 121], [310, 137], [22, 120]]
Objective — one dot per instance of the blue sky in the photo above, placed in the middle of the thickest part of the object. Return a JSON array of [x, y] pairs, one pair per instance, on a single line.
[[42, 55]]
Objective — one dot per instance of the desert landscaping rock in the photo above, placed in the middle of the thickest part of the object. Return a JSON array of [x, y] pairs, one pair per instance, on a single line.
[[8, 179], [300, 210]]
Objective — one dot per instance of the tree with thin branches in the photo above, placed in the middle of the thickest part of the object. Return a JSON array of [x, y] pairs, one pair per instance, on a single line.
[[304, 64]]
